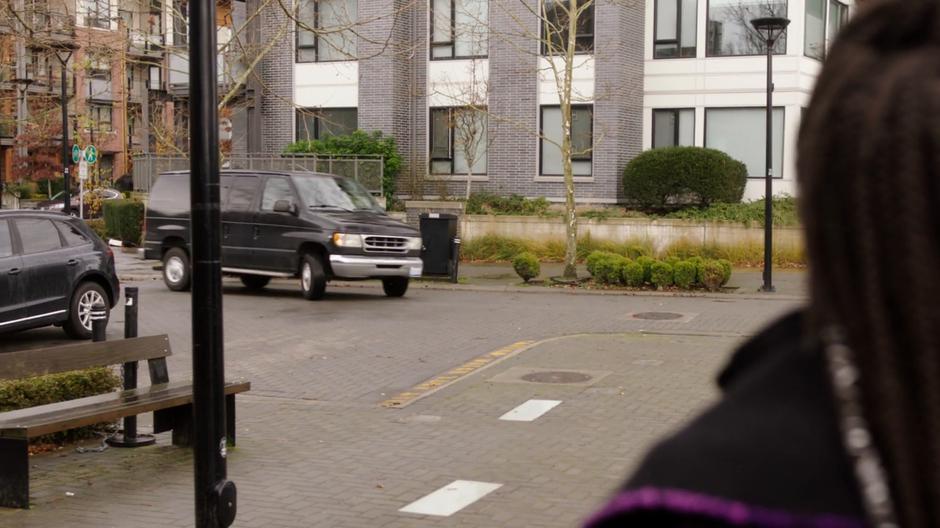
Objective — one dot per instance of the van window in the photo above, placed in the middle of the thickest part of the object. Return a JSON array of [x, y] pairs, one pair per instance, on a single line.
[[276, 189], [240, 193], [6, 243], [170, 195]]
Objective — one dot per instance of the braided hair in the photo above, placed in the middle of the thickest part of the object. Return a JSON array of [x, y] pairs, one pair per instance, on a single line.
[[869, 171]]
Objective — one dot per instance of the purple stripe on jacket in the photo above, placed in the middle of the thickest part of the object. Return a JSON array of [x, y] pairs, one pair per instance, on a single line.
[[735, 513]]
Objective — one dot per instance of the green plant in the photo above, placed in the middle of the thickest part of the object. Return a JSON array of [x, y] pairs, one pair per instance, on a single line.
[[608, 269], [42, 390], [97, 225], [357, 143], [487, 203], [685, 273], [699, 264], [647, 263], [669, 176], [726, 269], [712, 275], [632, 274], [123, 220], [747, 213], [592, 260], [662, 274], [24, 190], [526, 266]]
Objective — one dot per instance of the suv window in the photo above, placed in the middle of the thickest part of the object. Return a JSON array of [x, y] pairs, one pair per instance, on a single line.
[[276, 189], [241, 192], [37, 235], [6, 243], [72, 235]]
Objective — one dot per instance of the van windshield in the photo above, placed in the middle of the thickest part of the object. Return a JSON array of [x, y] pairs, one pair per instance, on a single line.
[[335, 193]]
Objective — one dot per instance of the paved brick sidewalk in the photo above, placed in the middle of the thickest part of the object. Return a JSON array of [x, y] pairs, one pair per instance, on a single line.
[[341, 464]]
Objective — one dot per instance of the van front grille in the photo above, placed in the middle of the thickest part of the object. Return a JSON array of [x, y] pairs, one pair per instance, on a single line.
[[385, 244]]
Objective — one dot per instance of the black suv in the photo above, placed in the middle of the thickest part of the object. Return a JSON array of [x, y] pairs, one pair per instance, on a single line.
[[53, 269], [313, 226]]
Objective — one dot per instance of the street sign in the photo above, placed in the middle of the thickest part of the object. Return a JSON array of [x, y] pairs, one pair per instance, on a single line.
[[83, 170], [76, 153], [91, 154]]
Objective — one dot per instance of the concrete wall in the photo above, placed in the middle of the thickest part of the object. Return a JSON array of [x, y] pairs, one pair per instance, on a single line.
[[661, 233]]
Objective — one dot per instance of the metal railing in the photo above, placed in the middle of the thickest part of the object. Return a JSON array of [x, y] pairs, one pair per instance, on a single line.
[[367, 170]]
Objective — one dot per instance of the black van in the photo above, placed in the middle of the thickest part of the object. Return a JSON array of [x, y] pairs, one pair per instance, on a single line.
[[313, 226]]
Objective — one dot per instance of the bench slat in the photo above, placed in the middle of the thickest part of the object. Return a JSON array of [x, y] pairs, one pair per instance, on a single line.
[[45, 419], [53, 360]]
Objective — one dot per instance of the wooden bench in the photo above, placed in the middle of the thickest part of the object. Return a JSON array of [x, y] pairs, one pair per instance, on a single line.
[[171, 403]]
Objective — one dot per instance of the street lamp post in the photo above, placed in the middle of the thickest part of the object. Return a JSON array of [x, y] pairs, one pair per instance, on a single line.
[[770, 29], [63, 52]]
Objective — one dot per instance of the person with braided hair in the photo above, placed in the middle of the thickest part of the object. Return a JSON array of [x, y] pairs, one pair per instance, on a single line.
[[831, 417]]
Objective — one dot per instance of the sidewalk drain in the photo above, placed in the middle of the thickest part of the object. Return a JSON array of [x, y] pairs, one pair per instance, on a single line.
[[557, 377]]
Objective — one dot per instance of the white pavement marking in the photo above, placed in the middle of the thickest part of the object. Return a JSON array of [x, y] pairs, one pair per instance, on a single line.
[[530, 410], [451, 498]]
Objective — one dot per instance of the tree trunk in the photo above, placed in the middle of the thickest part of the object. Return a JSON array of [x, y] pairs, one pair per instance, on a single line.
[[571, 218]]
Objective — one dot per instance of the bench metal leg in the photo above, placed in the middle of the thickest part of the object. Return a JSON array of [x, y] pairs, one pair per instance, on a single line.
[[14, 473], [180, 421]]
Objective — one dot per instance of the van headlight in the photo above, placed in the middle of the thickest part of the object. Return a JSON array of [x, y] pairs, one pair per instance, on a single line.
[[413, 244], [347, 241]]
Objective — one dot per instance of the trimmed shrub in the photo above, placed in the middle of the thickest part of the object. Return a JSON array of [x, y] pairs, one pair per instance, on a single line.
[[42, 390], [357, 143], [685, 273], [123, 220], [662, 275], [712, 275], [608, 269], [595, 257], [671, 176], [699, 264], [526, 266], [97, 225], [647, 263], [727, 269], [633, 273]]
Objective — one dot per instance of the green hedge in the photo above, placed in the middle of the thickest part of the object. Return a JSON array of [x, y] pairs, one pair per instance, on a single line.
[[526, 266], [514, 204], [608, 268], [123, 220], [42, 390], [97, 225], [358, 143], [672, 176]]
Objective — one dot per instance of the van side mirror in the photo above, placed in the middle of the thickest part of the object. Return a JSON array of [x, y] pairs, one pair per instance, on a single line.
[[284, 206]]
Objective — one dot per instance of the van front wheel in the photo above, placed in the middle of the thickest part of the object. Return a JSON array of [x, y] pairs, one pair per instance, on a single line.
[[176, 269], [395, 286], [312, 278]]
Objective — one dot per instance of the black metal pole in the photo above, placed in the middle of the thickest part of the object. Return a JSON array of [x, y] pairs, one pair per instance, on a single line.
[[769, 175], [129, 437], [215, 496], [67, 197]]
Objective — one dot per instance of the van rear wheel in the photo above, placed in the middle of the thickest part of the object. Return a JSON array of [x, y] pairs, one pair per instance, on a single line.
[[312, 278], [176, 272]]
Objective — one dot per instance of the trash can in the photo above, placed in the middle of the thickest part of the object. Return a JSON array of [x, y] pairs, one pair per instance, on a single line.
[[439, 235]]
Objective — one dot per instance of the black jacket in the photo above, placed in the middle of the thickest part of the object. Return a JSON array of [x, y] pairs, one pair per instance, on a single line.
[[767, 455]]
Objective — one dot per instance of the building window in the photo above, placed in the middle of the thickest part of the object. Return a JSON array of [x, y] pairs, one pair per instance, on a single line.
[[741, 133], [458, 140], [729, 30], [100, 117], [676, 28], [555, 18], [459, 29], [98, 13], [582, 141], [181, 23], [819, 33], [838, 16], [338, 40], [155, 81], [674, 128], [318, 123]]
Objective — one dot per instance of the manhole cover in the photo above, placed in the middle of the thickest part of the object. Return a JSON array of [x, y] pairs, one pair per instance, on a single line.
[[658, 316], [556, 377]]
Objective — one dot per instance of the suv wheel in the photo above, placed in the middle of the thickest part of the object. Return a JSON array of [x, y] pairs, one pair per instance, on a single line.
[[176, 269], [312, 278], [88, 294], [255, 282], [395, 286]]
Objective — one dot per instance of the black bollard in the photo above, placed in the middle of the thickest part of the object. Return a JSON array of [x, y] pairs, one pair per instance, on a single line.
[[99, 322], [129, 437], [455, 251]]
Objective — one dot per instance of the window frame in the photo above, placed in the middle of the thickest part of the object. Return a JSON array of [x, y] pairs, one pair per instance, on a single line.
[[316, 39], [451, 144], [786, 39], [677, 112], [678, 40], [453, 35], [543, 37], [94, 112], [584, 157], [783, 125], [317, 111]]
